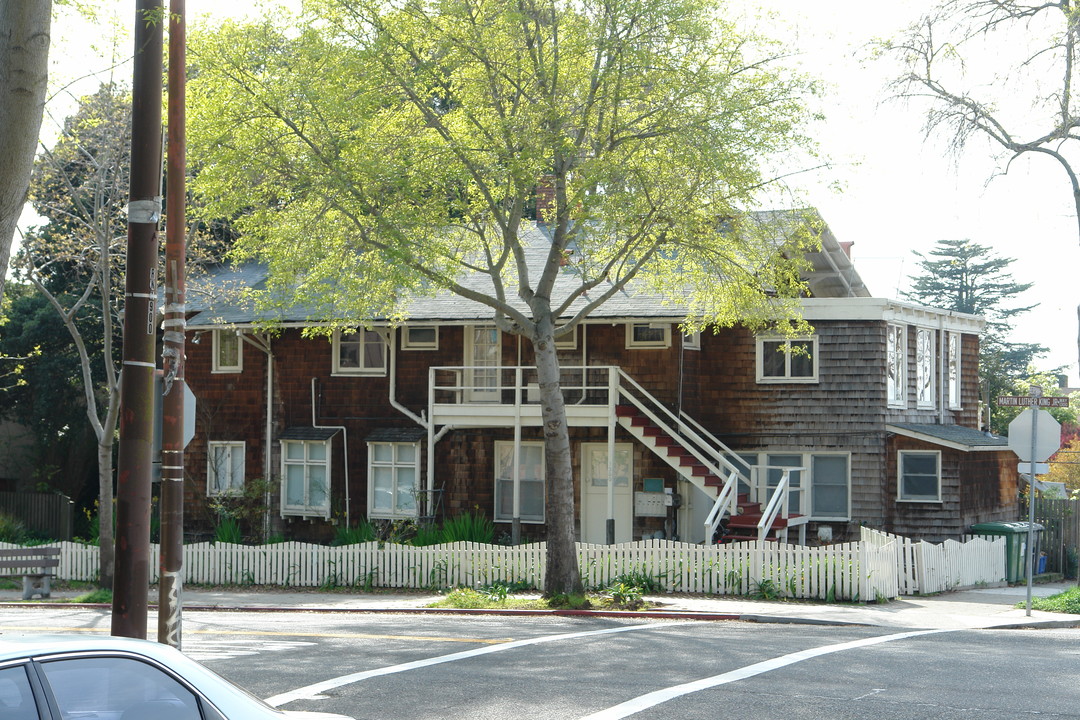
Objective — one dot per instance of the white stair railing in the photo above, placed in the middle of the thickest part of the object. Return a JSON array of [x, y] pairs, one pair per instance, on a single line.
[[778, 505], [670, 422], [724, 505]]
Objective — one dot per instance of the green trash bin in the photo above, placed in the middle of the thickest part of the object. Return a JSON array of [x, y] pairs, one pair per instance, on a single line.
[[1015, 534]]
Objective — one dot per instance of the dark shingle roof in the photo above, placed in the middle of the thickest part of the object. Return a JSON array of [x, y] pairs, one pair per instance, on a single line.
[[309, 433], [956, 436], [213, 307], [387, 434]]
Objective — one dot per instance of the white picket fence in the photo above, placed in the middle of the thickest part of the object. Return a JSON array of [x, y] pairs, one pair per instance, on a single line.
[[878, 567], [925, 568]]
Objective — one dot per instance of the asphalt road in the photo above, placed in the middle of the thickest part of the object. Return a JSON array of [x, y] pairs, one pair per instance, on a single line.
[[420, 667]]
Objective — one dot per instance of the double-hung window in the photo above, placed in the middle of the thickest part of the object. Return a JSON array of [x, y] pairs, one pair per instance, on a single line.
[[896, 365], [393, 472], [530, 481], [360, 353], [225, 468], [819, 483], [228, 352], [829, 483], [305, 490], [919, 476], [784, 360]]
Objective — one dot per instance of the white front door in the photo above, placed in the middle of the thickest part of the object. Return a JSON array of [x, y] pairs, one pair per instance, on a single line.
[[594, 492], [483, 355]]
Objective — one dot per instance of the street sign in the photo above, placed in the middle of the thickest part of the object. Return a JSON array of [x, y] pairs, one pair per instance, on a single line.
[[1047, 435], [1031, 400], [1041, 468]]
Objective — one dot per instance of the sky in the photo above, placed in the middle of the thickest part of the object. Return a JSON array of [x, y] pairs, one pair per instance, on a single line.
[[900, 192]]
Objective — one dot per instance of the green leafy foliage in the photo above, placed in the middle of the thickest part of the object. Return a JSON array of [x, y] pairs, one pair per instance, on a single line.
[[12, 530], [401, 146], [468, 527], [362, 532], [1064, 602], [228, 530]]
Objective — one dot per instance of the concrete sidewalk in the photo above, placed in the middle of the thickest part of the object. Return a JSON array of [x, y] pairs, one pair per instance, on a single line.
[[979, 608]]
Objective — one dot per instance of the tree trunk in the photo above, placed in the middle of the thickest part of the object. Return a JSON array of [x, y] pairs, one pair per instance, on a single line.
[[106, 550], [24, 72], [563, 574]]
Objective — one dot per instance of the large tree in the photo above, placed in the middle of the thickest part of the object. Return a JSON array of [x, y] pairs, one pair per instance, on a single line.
[[80, 186], [964, 276], [1002, 71], [379, 150], [24, 69]]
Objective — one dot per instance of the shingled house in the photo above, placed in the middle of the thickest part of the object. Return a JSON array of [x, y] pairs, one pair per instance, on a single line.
[[871, 420]]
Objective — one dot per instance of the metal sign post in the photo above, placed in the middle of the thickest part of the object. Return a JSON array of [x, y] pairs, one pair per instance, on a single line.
[[1032, 450]]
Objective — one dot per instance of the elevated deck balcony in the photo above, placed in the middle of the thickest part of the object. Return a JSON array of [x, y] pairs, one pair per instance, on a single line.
[[509, 395]]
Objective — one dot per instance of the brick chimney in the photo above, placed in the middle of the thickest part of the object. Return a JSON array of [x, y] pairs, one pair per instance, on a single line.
[[545, 198]]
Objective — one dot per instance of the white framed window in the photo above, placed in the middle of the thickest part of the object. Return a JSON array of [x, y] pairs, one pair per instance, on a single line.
[[824, 478], [228, 352], [919, 476], [224, 468], [896, 365], [924, 367], [360, 353], [830, 486], [420, 337], [531, 477], [692, 341], [954, 370], [648, 335], [305, 469], [568, 341], [393, 474], [787, 360]]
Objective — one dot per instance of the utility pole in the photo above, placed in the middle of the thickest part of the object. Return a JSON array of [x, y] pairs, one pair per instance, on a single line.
[[171, 583], [131, 581]]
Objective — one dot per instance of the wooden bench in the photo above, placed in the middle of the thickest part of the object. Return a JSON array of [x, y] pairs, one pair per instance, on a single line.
[[33, 564]]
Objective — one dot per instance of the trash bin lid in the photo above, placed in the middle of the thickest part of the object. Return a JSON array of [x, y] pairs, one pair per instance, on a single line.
[[1004, 527]]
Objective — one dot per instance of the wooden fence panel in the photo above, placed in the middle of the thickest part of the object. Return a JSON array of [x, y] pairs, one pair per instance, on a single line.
[[49, 514], [1061, 534]]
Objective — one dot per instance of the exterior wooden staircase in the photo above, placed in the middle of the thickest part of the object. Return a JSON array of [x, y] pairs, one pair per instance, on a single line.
[[704, 461]]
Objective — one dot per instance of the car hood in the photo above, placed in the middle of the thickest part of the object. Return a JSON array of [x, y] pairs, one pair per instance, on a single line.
[[305, 715]]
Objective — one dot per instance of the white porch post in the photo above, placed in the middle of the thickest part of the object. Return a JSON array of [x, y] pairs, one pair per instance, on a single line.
[[515, 528], [613, 399]]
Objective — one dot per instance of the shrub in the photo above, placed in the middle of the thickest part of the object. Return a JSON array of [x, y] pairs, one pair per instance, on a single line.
[[12, 529], [1064, 602], [427, 535], [228, 531], [361, 533], [468, 527]]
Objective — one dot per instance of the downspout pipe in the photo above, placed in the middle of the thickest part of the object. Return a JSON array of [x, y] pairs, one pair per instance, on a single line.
[[345, 437]]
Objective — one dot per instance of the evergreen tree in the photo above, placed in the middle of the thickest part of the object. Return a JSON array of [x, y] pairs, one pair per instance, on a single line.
[[966, 277]]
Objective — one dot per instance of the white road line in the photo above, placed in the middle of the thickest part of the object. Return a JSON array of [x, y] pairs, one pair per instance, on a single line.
[[311, 692], [644, 702]]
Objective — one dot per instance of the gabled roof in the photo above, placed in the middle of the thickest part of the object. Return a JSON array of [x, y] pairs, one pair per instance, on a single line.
[[951, 436], [831, 274]]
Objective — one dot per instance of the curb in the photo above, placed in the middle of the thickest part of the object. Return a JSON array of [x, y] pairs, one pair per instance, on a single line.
[[692, 615]]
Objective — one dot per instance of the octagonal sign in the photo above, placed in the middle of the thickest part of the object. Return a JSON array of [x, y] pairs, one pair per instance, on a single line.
[[1047, 435]]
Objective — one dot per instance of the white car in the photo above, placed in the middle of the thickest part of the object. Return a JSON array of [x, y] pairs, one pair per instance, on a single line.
[[62, 677]]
